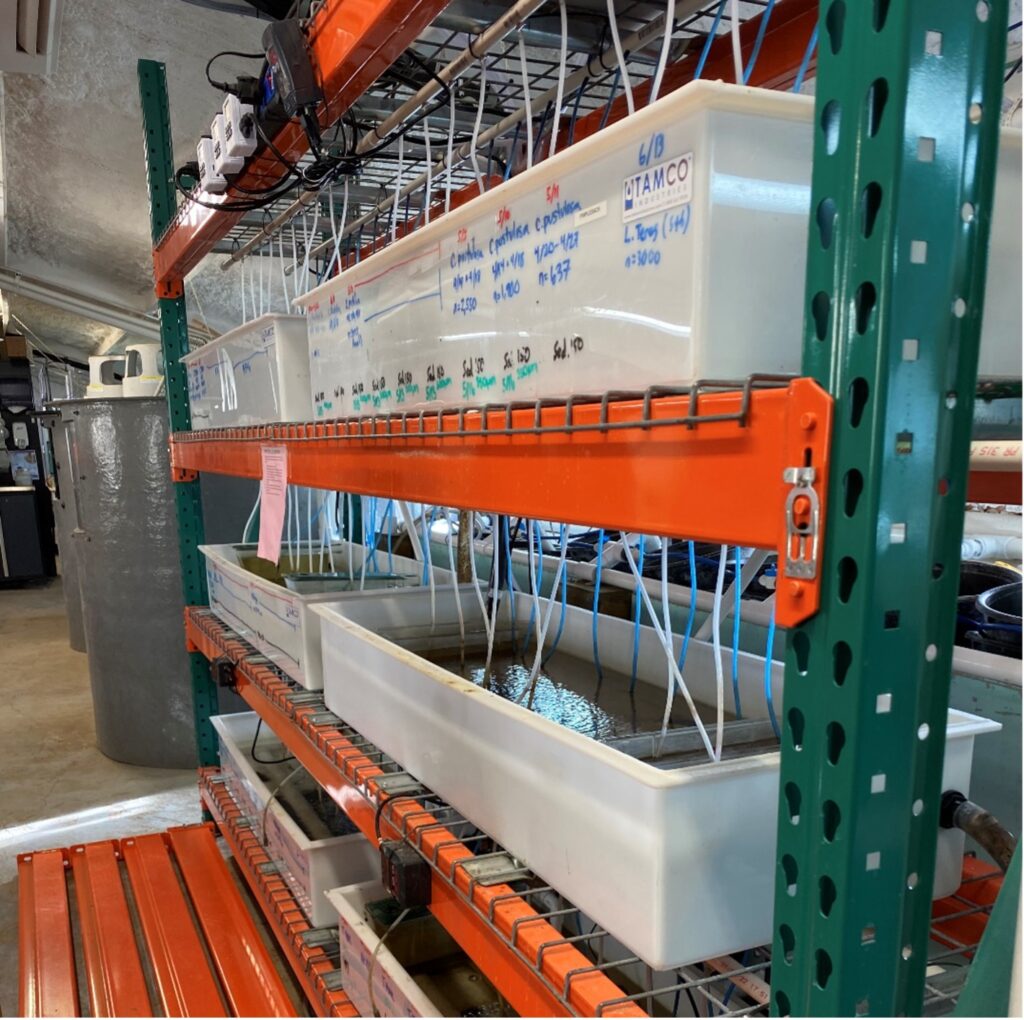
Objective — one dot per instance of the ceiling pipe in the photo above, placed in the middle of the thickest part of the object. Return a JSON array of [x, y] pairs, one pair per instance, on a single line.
[[135, 323]]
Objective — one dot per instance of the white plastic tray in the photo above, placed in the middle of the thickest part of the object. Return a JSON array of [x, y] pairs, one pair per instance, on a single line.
[[310, 867], [277, 621], [666, 248], [251, 375], [678, 865], [395, 993]]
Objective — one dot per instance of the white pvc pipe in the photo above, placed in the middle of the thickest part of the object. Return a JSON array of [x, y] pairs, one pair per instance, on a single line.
[[991, 547], [996, 455]]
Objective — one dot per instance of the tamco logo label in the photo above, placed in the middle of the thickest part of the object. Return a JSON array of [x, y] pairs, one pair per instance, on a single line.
[[657, 187]]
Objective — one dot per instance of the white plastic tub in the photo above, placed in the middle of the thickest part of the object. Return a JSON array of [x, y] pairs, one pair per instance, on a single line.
[[309, 866], [277, 620], [677, 864], [251, 375], [424, 974], [394, 991], [666, 248]]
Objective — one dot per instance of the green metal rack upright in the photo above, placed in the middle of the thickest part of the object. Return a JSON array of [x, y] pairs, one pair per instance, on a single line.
[[156, 120], [906, 134]]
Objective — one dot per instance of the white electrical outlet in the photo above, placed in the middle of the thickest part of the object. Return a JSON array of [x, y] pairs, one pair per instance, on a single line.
[[223, 164], [209, 180], [239, 128]]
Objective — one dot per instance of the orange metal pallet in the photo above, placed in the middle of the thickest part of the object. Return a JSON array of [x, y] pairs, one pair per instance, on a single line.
[[194, 951], [531, 964]]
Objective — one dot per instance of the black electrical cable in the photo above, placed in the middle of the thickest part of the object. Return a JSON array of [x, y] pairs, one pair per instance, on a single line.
[[383, 803], [265, 761], [286, 163], [693, 1002], [223, 85], [242, 206], [417, 59], [326, 168]]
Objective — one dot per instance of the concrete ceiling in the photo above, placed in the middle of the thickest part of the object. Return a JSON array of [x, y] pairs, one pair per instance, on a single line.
[[74, 172]]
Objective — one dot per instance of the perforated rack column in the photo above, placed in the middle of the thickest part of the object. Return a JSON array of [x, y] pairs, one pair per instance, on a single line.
[[156, 122], [907, 118]]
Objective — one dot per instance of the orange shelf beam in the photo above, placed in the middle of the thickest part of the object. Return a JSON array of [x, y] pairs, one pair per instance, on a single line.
[[994, 487], [716, 481], [351, 43], [241, 959], [347, 774]]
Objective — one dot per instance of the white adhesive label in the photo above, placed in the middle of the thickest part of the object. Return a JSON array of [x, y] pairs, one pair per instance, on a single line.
[[593, 212], [653, 188]]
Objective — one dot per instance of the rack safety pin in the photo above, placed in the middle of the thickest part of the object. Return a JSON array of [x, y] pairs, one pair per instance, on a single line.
[[803, 521]]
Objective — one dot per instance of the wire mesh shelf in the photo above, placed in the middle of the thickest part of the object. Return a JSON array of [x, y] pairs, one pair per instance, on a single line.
[[496, 419], [510, 77]]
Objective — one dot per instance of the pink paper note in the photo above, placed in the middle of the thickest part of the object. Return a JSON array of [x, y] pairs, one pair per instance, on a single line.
[[273, 491]]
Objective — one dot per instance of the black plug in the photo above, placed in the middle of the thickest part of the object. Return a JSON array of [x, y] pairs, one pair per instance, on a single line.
[[247, 88], [187, 175], [222, 669]]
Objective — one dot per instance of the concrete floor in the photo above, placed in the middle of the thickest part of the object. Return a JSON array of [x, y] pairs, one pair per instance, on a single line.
[[56, 788]]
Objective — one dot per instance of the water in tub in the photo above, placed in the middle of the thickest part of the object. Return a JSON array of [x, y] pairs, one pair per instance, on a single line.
[[569, 691]]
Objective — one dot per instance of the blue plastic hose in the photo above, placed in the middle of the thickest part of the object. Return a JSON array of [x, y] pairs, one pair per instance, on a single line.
[[389, 515], [426, 542], [768, 675], [693, 607], [512, 151], [597, 596], [575, 110], [707, 42], [806, 62], [736, 637], [636, 619], [611, 97], [561, 618], [761, 29], [540, 581], [510, 581]]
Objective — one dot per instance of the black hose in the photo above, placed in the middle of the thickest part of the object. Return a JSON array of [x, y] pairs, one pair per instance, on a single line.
[[957, 812]]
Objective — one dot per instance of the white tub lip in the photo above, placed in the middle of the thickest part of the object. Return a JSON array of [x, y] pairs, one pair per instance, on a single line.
[[693, 98], [233, 334], [958, 724], [220, 724], [216, 552]]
